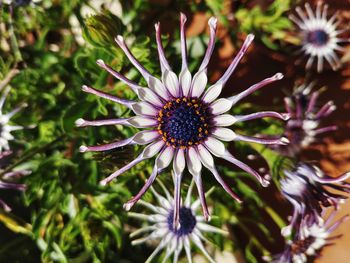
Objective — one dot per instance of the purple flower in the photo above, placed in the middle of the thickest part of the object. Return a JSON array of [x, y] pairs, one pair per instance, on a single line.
[[303, 126], [309, 241], [320, 35], [172, 237], [185, 122], [308, 189], [7, 178]]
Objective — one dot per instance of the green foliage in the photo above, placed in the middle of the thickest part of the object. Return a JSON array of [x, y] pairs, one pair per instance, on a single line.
[[271, 25]]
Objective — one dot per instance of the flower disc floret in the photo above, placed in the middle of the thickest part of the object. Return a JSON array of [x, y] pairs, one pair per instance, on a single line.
[[184, 122], [317, 37], [186, 224]]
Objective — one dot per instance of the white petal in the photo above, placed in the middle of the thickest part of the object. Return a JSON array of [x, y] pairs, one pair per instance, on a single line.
[[212, 93], [187, 247], [224, 134], [203, 227], [165, 157], [157, 86], [193, 161], [224, 120], [142, 122], [196, 240], [215, 146], [220, 106], [146, 137], [152, 149], [171, 82], [206, 158], [149, 96], [179, 161], [144, 108], [199, 83], [185, 81]]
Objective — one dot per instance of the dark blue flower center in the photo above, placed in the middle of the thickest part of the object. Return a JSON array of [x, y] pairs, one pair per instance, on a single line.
[[187, 222], [317, 37], [184, 122]]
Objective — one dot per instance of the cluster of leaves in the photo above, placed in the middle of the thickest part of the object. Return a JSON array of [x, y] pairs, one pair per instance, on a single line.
[[270, 24], [65, 216]]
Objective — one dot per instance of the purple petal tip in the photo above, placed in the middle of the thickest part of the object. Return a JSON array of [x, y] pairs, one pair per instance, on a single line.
[[103, 182], [250, 37], [183, 17], [157, 25], [79, 122], [128, 206], [279, 76], [265, 183], [83, 148], [212, 22], [100, 62], [286, 116], [284, 141], [119, 39]]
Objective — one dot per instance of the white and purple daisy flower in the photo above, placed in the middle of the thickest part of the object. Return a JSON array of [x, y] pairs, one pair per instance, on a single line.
[[309, 241], [183, 121], [320, 35], [6, 180], [174, 238], [308, 189], [305, 117], [5, 127]]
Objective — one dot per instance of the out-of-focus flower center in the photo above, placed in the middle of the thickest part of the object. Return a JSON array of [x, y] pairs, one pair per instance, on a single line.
[[187, 222], [184, 122], [301, 246], [317, 37], [303, 100]]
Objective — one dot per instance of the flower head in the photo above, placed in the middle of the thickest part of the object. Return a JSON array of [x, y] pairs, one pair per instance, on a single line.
[[5, 127], [173, 237], [305, 117], [320, 35], [308, 189], [309, 241], [7, 178], [185, 121]]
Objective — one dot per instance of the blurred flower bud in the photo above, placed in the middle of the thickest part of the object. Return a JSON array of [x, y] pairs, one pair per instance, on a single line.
[[101, 29]]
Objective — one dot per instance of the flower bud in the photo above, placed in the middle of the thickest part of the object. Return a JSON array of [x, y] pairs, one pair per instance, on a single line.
[[101, 29]]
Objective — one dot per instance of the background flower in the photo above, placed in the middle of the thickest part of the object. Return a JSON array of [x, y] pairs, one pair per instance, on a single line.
[[320, 35], [174, 237], [307, 188], [309, 240]]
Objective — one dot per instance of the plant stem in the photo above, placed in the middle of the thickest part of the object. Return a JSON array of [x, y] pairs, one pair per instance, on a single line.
[[30, 155], [10, 75]]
